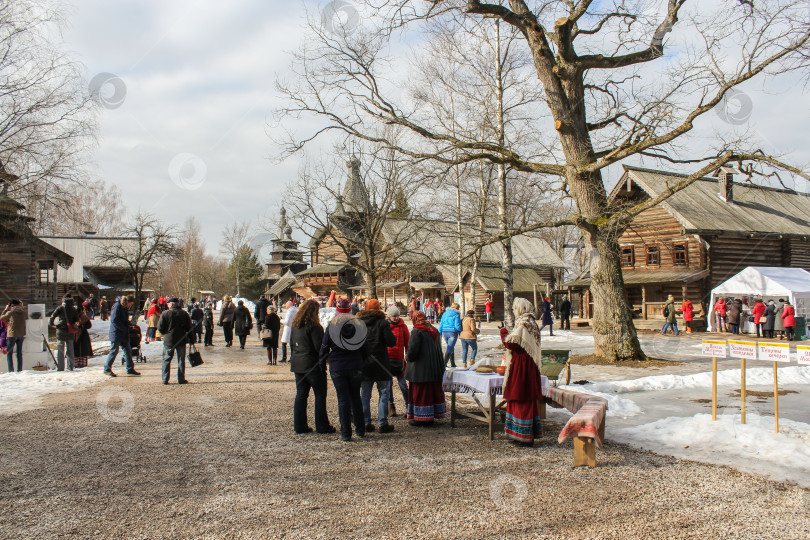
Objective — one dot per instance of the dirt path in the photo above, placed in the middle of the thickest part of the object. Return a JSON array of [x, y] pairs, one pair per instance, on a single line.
[[218, 459]]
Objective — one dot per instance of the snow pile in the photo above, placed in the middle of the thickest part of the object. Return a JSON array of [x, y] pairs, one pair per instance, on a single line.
[[753, 447], [754, 376], [617, 407], [24, 390], [248, 304]]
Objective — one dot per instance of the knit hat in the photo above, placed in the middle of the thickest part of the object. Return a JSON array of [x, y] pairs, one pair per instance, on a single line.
[[392, 311], [343, 306], [373, 303]]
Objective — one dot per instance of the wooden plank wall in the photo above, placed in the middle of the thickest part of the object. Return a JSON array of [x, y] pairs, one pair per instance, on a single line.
[[656, 227], [796, 253], [730, 254]]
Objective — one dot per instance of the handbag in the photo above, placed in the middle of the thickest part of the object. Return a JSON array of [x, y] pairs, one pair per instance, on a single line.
[[194, 357], [763, 319], [266, 333]]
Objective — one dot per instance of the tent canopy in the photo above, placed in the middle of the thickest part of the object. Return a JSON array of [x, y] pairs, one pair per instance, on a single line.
[[769, 283]]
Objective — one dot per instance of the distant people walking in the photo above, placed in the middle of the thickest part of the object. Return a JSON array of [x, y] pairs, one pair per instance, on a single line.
[[430, 310], [344, 349], [64, 319], [104, 308], [82, 346], [377, 370], [670, 315], [226, 311], [197, 315], [565, 313], [547, 317], [721, 314], [242, 323], [450, 328], [14, 316], [424, 370], [688, 314], [770, 320], [289, 315], [272, 324], [119, 335], [469, 337], [396, 355], [306, 337], [789, 321], [175, 325], [522, 387], [734, 314], [152, 318], [208, 324], [488, 308]]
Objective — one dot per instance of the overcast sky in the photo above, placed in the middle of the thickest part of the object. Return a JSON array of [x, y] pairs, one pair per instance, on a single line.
[[190, 136]]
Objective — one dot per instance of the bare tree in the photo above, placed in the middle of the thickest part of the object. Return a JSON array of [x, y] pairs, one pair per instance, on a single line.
[[609, 96], [234, 238], [352, 214], [150, 241], [75, 208]]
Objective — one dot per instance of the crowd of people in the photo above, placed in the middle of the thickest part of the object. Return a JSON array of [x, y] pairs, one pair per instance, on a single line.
[[771, 319]]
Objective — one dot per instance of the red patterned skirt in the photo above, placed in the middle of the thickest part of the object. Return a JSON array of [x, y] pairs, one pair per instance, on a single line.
[[523, 390], [426, 401]]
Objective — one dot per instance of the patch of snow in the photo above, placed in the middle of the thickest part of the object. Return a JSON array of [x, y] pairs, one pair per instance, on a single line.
[[754, 376], [248, 304], [753, 447], [326, 315], [617, 407], [24, 390]]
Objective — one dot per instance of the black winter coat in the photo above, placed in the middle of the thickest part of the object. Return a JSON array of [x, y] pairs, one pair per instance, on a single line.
[[66, 313], [197, 317], [305, 346], [425, 361], [261, 310], [208, 318], [379, 338], [242, 321], [273, 323], [770, 313], [565, 307], [175, 326], [83, 347], [735, 311]]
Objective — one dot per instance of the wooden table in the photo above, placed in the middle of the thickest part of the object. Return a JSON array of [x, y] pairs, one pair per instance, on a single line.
[[472, 383]]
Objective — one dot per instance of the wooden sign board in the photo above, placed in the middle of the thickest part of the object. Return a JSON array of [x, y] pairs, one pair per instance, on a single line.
[[774, 352], [714, 348], [742, 349], [803, 353]]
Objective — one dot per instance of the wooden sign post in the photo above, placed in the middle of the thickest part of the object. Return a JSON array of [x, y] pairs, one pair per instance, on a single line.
[[743, 350], [714, 348], [775, 352]]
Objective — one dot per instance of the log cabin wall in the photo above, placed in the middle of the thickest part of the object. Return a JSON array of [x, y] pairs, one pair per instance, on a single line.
[[730, 254], [19, 272], [656, 228], [328, 249], [796, 253]]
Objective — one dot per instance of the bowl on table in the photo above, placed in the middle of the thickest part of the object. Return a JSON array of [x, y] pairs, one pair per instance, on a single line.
[[501, 370]]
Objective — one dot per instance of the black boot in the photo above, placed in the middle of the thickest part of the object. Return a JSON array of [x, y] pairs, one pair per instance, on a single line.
[[283, 352]]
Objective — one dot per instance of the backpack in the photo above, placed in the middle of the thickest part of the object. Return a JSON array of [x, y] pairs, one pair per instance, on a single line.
[[666, 310]]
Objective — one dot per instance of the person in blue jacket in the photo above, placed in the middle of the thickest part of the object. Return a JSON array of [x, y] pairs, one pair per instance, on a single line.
[[119, 335], [450, 328]]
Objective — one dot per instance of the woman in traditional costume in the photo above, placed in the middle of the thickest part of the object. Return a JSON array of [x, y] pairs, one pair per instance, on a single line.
[[424, 370], [522, 387]]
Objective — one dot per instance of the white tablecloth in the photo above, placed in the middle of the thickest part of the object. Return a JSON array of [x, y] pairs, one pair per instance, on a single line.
[[471, 382]]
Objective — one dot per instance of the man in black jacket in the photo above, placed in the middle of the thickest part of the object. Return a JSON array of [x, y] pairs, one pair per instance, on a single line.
[[64, 314], [377, 369], [175, 326], [565, 314], [260, 312]]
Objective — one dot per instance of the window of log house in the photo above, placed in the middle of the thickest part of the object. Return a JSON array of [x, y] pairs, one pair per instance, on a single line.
[[679, 255], [628, 257], [652, 256], [45, 272]]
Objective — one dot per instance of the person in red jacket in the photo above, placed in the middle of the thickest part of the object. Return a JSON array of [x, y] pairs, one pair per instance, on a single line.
[[396, 355], [789, 320], [758, 312], [688, 314], [488, 308], [721, 309]]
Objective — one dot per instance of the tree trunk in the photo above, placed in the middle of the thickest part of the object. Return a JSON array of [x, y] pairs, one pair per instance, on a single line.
[[506, 250], [614, 333]]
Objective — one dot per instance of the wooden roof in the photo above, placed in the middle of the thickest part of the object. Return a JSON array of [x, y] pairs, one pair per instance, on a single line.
[[641, 277], [699, 208]]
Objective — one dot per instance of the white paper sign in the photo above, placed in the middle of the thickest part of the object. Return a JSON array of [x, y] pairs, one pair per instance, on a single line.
[[714, 348], [774, 352], [803, 352], [742, 349]]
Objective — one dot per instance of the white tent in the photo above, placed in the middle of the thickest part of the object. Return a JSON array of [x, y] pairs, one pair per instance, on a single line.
[[768, 283]]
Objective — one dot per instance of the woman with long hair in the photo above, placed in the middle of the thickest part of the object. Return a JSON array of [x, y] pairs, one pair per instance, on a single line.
[[424, 370], [306, 336], [522, 386]]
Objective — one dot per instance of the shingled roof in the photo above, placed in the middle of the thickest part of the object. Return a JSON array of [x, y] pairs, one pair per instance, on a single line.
[[700, 209]]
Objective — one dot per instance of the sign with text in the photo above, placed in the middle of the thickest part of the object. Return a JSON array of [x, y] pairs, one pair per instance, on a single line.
[[714, 348], [803, 352], [742, 349], [774, 352]]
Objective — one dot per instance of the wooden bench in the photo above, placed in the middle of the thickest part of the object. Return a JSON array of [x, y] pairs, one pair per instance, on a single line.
[[586, 426]]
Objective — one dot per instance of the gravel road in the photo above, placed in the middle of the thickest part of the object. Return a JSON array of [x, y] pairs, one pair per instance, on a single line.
[[217, 458]]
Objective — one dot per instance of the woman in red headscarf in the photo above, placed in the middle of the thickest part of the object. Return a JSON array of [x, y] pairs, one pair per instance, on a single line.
[[424, 370]]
